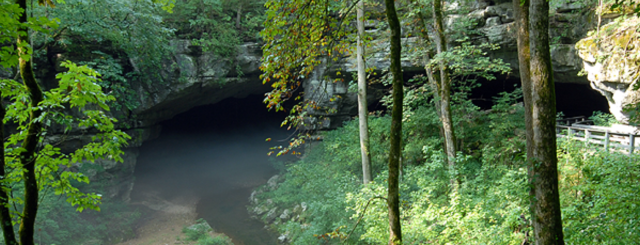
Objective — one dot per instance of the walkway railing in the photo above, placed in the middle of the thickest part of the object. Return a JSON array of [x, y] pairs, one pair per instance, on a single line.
[[579, 128]]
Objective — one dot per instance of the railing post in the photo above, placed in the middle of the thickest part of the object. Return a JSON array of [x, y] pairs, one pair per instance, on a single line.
[[587, 135], [606, 141], [570, 133], [632, 142]]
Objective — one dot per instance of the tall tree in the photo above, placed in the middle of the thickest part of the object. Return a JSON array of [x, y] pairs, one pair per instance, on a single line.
[[362, 98], [521, 15], [27, 157], [444, 88], [546, 213], [393, 202]]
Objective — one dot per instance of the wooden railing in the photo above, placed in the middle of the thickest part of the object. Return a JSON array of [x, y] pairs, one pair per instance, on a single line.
[[574, 120], [611, 139]]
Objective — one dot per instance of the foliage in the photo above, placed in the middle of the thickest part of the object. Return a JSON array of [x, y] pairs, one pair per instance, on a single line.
[[299, 36], [200, 232], [217, 26], [77, 90], [316, 182], [599, 192], [194, 232], [114, 80], [489, 208], [58, 223], [603, 119], [493, 176], [120, 39], [77, 94], [9, 13], [624, 6], [433, 215]]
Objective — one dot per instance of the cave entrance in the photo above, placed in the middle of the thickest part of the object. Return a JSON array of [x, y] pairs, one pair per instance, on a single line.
[[213, 155], [572, 99]]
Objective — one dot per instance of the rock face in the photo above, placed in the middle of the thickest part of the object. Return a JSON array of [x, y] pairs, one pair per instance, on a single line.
[[194, 78], [612, 63], [570, 21]]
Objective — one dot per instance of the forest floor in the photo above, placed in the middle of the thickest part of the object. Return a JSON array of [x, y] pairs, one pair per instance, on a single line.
[[163, 220]]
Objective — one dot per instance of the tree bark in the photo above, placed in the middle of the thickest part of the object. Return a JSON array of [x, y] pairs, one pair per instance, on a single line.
[[444, 88], [393, 202], [27, 157], [5, 216], [362, 99], [432, 79], [238, 16], [521, 15], [546, 216]]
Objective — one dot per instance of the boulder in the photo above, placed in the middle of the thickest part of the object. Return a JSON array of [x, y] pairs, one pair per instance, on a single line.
[[286, 214], [272, 183], [271, 215], [260, 209]]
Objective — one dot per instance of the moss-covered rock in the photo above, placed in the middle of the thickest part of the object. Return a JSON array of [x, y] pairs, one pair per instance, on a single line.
[[611, 59]]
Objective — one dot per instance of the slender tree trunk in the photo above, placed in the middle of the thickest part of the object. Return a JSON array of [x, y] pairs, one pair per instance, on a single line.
[[546, 216], [445, 87], [521, 14], [5, 216], [362, 99], [433, 79], [27, 157], [238, 16], [393, 202]]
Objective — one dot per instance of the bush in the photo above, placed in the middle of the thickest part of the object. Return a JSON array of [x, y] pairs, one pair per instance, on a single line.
[[603, 119], [600, 195], [197, 231], [201, 232], [217, 240]]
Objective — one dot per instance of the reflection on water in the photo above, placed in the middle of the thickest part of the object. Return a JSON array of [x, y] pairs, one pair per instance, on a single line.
[[217, 155]]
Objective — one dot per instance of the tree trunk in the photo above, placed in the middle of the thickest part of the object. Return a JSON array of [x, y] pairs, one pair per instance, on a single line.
[[5, 216], [432, 80], [546, 216], [27, 157], [521, 14], [444, 88], [238, 16], [362, 99], [393, 203]]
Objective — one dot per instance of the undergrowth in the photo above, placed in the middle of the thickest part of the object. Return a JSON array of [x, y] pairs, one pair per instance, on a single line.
[[599, 190]]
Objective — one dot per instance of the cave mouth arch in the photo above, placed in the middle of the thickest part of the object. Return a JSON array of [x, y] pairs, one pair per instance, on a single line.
[[572, 99], [213, 155]]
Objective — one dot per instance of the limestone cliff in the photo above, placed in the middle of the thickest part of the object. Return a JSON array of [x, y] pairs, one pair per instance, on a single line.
[[612, 61]]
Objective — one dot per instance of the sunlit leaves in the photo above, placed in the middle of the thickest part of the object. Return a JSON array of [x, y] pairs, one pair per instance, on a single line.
[[78, 92], [9, 14], [300, 36]]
